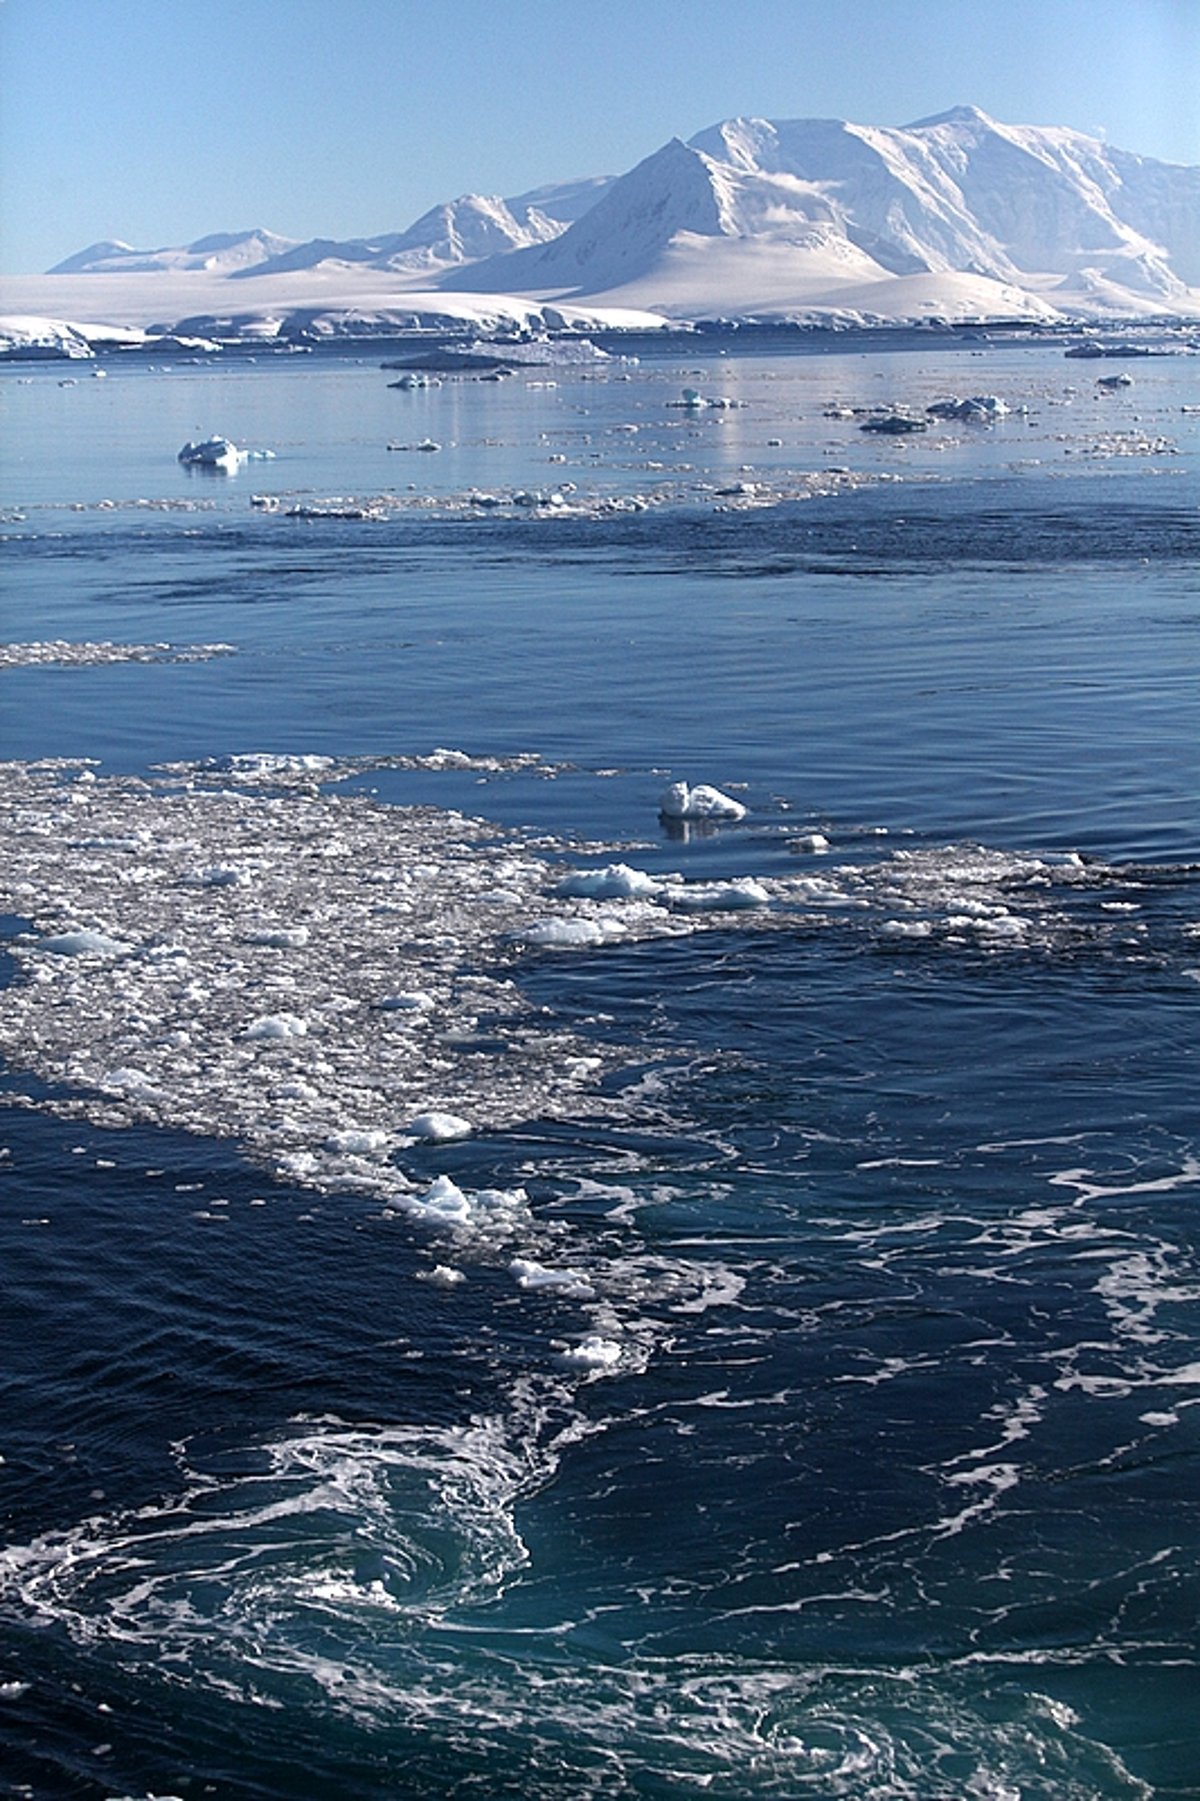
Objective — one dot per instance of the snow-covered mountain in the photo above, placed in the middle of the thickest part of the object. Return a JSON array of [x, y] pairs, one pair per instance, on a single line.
[[225, 253], [459, 231], [1042, 209], [955, 215]]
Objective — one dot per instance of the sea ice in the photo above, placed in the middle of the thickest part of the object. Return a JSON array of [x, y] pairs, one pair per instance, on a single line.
[[616, 881], [701, 802], [284, 938], [594, 1353], [211, 453], [443, 1203], [702, 897], [573, 934], [531, 1275], [439, 1128], [357, 1144], [277, 1026], [282, 1014], [981, 409], [414, 1000], [85, 943]]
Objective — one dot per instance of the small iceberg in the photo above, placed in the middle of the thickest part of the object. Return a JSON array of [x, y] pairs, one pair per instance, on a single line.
[[692, 401], [701, 802], [220, 453], [979, 409], [211, 453]]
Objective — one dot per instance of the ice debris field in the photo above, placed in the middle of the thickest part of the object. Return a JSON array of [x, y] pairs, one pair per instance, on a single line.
[[247, 950]]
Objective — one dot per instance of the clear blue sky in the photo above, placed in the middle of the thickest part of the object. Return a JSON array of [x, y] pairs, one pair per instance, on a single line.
[[159, 121]]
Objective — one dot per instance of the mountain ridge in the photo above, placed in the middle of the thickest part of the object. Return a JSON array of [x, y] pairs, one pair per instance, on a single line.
[[800, 213]]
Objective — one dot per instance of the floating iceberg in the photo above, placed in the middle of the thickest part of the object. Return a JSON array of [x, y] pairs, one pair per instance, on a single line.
[[220, 453], [701, 802], [981, 409], [211, 453]]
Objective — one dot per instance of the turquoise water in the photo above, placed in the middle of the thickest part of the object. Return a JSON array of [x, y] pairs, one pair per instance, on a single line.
[[802, 1398]]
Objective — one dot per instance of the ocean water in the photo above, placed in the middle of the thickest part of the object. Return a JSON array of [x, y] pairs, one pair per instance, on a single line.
[[506, 1294]]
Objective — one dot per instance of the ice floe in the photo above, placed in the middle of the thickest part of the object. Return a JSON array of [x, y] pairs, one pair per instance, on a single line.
[[439, 1128], [701, 802], [592, 1353]]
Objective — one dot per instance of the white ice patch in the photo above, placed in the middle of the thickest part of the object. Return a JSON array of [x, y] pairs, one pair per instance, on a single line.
[[358, 1144], [616, 881], [573, 934], [531, 1275], [85, 942], [483, 1213], [439, 1128], [714, 897], [134, 1083], [280, 938], [273, 1026], [223, 875], [701, 802], [592, 1353], [414, 1000], [442, 1276]]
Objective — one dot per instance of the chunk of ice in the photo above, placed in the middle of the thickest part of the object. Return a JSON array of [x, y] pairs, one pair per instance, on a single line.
[[701, 802], [531, 1275], [439, 1128], [616, 881], [85, 943], [277, 1026], [594, 1353], [572, 934]]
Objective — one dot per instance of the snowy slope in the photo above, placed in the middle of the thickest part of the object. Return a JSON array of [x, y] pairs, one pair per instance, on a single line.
[[1038, 209], [459, 231], [225, 253]]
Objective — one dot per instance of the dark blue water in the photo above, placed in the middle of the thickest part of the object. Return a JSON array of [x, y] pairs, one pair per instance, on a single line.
[[821, 1418]]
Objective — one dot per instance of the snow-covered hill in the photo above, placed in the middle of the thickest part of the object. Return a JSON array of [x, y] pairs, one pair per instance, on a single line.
[[225, 253], [459, 231], [1047, 211], [958, 216]]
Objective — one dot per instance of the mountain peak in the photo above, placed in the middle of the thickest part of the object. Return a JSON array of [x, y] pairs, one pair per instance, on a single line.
[[957, 115]]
